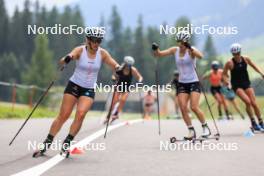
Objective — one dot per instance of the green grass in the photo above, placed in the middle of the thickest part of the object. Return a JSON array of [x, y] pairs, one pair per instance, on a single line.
[[22, 111], [204, 107]]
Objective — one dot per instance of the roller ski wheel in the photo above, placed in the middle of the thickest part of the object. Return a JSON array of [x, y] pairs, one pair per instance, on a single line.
[[252, 129], [173, 139], [202, 138], [38, 153], [113, 119], [217, 137], [65, 154], [257, 131]]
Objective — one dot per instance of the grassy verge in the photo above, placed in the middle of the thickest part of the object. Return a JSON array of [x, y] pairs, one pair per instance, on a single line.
[[22, 111]]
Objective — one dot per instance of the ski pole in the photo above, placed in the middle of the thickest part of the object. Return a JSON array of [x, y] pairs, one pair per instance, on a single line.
[[109, 112], [141, 104], [157, 85], [207, 102], [35, 107]]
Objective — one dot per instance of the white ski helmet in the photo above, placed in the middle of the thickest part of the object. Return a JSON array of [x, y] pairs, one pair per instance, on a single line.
[[129, 60], [183, 36], [235, 48], [95, 32], [215, 65]]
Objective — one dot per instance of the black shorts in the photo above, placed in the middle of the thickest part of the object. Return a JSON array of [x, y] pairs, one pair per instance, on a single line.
[[148, 104], [79, 91], [241, 86], [215, 90], [188, 87], [122, 88]]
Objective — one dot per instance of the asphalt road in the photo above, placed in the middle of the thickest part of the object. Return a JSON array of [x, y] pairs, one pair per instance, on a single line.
[[137, 150]]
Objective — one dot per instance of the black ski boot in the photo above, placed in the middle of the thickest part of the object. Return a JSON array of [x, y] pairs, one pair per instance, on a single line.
[[45, 146]]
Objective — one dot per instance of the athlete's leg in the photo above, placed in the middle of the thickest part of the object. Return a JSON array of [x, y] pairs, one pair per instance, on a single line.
[[233, 102], [219, 103], [183, 99], [67, 105], [176, 103], [244, 97], [116, 99], [83, 106], [251, 94], [123, 99], [224, 103], [147, 110], [195, 97]]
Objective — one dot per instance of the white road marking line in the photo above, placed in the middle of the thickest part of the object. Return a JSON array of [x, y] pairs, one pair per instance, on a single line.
[[43, 167]]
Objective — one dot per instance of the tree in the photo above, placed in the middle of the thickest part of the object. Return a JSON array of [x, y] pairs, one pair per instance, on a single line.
[[128, 41], [4, 23], [209, 55], [209, 52], [54, 40], [27, 40], [141, 51], [9, 67], [41, 69], [115, 40]]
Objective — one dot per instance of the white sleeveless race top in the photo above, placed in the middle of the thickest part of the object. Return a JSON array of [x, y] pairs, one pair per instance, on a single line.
[[186, 67], [86, 70]]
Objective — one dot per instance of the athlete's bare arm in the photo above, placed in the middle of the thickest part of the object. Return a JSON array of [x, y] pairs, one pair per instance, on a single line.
[[74, 54], [162, 53], [107, 58], [196, 53], [254, 66], [228, 66], [206, 75], [136, 73]]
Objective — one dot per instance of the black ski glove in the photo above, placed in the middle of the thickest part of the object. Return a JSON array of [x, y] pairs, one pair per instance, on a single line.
[[155, 46]]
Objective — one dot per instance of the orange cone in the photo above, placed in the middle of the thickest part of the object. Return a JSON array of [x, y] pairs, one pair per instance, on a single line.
[[77, 151]]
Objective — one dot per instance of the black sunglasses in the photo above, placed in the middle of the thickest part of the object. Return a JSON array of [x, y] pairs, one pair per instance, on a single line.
[[95, 40]]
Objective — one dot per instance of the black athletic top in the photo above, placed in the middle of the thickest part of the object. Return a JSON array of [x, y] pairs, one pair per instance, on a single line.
[[175, 82], [125, 79], [239, 73]]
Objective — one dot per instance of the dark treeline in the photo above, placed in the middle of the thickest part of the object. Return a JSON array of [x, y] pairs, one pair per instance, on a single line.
[[32, 59]]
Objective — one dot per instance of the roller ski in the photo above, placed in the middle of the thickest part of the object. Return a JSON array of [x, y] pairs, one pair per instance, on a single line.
[[38, 153], [207, 135], [202, 138], [113, 119], [65, 149], [65, 153], [191, 137], [255, 128], [114, 115], [43, 148]]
